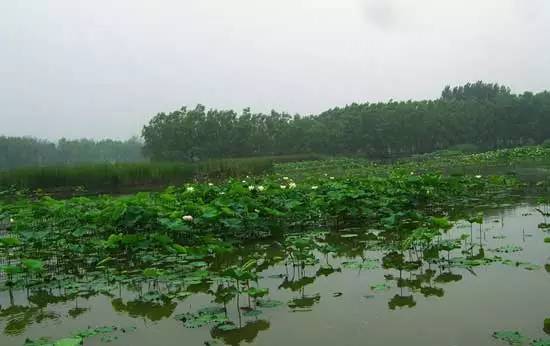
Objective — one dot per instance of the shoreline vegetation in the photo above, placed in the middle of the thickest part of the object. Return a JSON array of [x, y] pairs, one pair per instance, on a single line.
[[128, 177], [528, 164]]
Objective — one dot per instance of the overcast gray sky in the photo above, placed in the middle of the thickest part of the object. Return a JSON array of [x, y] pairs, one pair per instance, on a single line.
[[103, 68]]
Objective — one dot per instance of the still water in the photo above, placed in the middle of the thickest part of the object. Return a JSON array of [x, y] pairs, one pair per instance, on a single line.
[[346, 298]]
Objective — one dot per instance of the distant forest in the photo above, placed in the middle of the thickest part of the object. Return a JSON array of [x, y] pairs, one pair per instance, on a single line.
[[24, 151], [479, 115], [476, 116]]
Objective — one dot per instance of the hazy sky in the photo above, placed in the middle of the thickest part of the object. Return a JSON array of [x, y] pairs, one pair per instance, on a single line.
[[103, 68]]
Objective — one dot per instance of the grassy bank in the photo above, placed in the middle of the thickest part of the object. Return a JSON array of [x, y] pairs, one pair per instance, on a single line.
[[144, 175]]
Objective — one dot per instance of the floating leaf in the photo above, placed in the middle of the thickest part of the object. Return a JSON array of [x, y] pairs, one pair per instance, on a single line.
[[69, 342], [511, 337], [209, 315], [252, 313], [380, 287], [268, 303]]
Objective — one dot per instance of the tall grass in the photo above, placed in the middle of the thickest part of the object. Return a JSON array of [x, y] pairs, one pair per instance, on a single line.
[[144, 174]]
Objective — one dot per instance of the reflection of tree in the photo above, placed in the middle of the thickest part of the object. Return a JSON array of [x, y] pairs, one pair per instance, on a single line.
[[546, 327], [153, 311], [397, 261], [20, 317], [410, 283], [448, 277], [401, 301], [326, 271], [432, 291], [304, 302], [246, 333], [42, 298], [296, 285], [76, 311], [202, 287]]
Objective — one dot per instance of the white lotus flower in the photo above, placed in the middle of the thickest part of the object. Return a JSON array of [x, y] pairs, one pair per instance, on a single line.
[[292, 185], [285, 178], [222, 193], [187, 218], [190, 189], [283, 187], [210, 184], [12, 220], [478, 176], [251, 188], [256, 211], [314, 187], [331, 178], [260, 188]]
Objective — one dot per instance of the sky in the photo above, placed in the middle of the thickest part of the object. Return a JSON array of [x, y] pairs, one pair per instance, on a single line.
[[103, 68]]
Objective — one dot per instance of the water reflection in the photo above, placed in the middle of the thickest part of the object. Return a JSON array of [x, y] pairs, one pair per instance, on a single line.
[[153, 311], [293, 270], [246, 333], [18, 318]]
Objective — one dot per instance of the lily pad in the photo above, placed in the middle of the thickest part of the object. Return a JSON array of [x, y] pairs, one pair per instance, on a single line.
[[209, 315], [380, 287], [509, 336], [268, 303], [252, 313], [541, 342]]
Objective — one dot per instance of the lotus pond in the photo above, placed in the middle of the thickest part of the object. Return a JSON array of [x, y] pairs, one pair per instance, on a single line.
[[392, 258]]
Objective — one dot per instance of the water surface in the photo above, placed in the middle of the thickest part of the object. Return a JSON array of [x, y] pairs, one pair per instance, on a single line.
[[352, 296]]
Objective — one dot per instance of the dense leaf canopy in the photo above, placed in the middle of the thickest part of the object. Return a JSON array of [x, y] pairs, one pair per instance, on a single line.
[[479, 115]]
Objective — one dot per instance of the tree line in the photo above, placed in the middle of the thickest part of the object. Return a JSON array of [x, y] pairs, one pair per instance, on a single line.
[[479, 115], [25, 151]]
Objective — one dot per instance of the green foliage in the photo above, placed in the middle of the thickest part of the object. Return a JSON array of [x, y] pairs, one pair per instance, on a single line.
[[483, 115], [511, 337], [129, 175], [540, 342], [204, 316], [27, 152]]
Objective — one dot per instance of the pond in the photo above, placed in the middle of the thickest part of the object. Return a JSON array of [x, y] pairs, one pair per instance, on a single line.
[[351, 290]]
